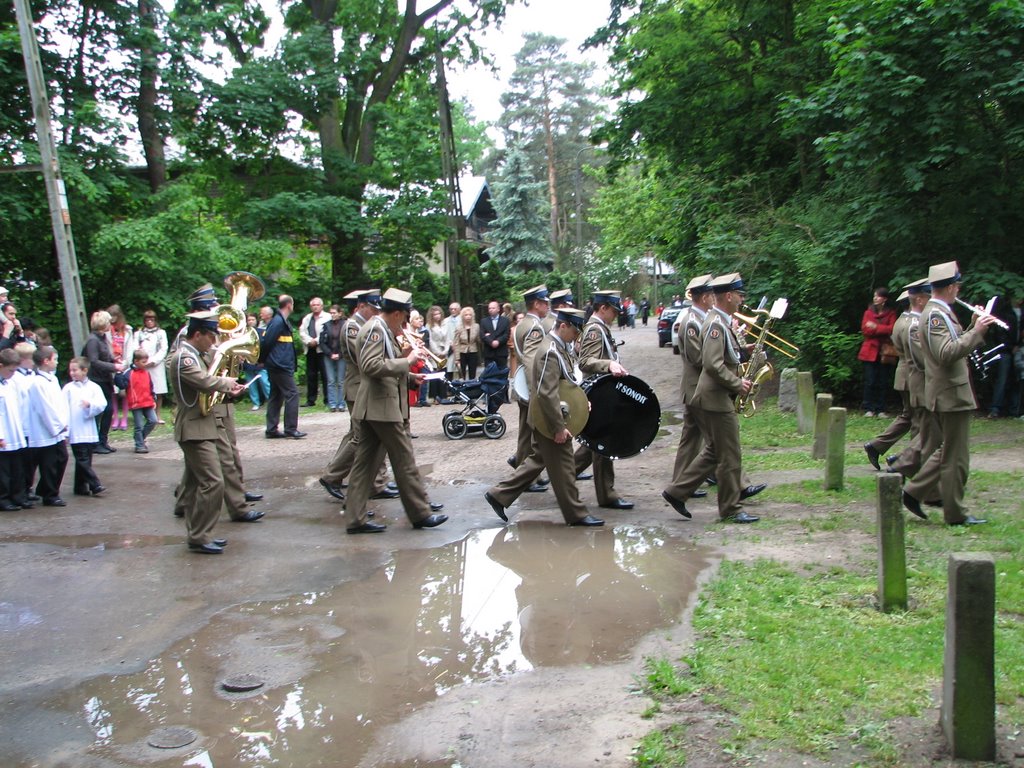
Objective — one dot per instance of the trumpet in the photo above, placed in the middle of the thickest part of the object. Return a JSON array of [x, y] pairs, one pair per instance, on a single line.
[[987, 312], [411, 339]]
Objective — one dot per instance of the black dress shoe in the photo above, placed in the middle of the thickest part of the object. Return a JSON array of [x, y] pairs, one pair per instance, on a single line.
[[873, 455], [334, 490], [102, 449], [676, 504], [9, 507], [711, 480], [913, 505], [892, 459], [387, 493], [700, 493], [54, 502], [205, 549], [436, 506], [741, 517], [537, 488], [295, 435], [220, 543], [249, 517], [273, 435], [392, 486], [367, 528], [498, 509], [27, 505], [511, 460], [33, 497], [98, 489], [251, 497], [430, 521], [752, 490], [584, 476], [544, 481], [618, 504], [179, 513], [970, 520], [589, 520]]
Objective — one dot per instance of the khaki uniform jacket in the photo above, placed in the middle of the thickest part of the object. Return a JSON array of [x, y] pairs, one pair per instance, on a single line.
[[384, 391], [597, 350], [946, 347], [720, 380], [349, 334], [899, 340], [914, 359], [529, 335], [690, 340], [187, 371], [551, 365]]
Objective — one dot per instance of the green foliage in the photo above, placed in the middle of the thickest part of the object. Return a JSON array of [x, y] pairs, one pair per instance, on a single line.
[[661, 749], [519, 235]]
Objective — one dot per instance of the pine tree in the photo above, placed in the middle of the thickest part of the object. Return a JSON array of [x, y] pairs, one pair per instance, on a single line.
[[520, 232]]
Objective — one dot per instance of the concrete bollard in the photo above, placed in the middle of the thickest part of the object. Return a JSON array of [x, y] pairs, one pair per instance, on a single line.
[[787, 390], [892, 552], [835, 451], [821, 405], [968, 687], [804, 402]]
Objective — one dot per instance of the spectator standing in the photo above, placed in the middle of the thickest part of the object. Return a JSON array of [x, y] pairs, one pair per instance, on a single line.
[[11, 332], [438, 341], [121, 348], [277, 353], [494, 336], [418, 389], [877, 352], [102, 368], [451, 325], [141, 399], [47, 428], [631, 310], [309, 331], [333, 360], [1003, 401], [85, 402], [645, 310], [12, 437], [259, 390], [467, 343], [153, 339]]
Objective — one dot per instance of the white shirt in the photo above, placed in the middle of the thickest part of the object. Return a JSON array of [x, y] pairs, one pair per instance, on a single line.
[[47, 422], [82, 418], [22, 381], [318, 325], [11, 429]]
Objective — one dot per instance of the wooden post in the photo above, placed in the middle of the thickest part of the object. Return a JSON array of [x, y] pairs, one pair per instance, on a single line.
[[968, 688], [821, 405], [804, 402], [892, 553], [836, 449]]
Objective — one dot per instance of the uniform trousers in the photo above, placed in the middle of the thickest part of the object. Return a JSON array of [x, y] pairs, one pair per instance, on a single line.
[[925, 438], [721, 456], [897, 428], [948, 467], [282, 392], [52, 460], [523, 446], [204, 487], [85, 480], [561, 470], [233, 491], [344, 458], [604, 473], [690, 442], [376, 439]]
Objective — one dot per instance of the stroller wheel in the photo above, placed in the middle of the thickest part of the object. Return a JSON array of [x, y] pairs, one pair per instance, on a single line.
[[454, 427], [494, 426]]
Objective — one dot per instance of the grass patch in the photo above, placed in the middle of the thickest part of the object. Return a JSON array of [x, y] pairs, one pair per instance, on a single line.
[[811, 493], [661, 749]]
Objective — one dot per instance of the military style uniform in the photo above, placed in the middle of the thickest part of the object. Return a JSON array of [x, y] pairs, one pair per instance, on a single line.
[[382, 407], [552, 364], [203, 441], [713, 406], [597, 350], [925, 434], [902, 424], [949, 396], [690, 437], [529, 334]]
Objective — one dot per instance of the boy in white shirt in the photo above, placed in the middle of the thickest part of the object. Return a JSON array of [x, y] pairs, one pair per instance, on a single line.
[[22, 381], [85, 402], [47, 426], [12, 437]]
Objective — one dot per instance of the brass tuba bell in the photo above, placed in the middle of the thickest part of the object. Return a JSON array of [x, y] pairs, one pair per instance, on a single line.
[[237, 341]]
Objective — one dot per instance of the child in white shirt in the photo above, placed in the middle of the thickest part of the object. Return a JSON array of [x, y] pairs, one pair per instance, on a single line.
[[85, 403], [48, 426], [12, 437]]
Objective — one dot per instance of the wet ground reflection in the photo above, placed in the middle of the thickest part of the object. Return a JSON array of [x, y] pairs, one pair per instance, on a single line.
[[338, 664]]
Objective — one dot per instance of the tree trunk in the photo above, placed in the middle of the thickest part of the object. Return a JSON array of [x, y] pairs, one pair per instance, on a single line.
[[149, 127], [549, 150]]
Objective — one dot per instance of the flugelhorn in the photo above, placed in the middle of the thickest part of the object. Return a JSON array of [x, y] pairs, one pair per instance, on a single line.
[[986, 312]]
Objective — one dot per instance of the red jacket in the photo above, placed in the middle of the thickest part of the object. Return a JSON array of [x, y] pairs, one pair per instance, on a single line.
[[140, 390], [871, 349]]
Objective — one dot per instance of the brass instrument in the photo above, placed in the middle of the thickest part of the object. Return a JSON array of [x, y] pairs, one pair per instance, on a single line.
[[980, 361], [237, 341], [776, 342], [757, 369], [411, 338], [986, 312]]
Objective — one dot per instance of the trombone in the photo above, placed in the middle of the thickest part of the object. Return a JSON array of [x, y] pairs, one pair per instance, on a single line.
[[773, 340]]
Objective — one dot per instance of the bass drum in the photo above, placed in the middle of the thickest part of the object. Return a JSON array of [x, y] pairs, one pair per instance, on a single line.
[[519, 385], [624, 416]]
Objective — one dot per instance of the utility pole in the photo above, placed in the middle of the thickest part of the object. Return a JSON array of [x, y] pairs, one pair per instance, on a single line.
[[56, 194], [456, 261]]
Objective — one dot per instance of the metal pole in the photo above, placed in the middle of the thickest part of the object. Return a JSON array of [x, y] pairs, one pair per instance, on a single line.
[[60, 215]]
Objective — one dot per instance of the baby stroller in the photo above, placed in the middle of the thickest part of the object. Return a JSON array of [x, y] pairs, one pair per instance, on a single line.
[[480, 400]]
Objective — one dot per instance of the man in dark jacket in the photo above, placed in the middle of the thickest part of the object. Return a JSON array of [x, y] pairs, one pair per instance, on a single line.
[[494, 330], [277, 353]]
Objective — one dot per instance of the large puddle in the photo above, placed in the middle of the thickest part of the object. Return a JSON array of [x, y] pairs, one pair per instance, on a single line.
[[337, 665]]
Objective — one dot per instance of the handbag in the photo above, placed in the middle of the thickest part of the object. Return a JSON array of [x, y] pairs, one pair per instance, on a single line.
[[889, 355]]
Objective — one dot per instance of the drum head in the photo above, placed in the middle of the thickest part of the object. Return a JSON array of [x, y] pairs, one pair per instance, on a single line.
[[624, 416]]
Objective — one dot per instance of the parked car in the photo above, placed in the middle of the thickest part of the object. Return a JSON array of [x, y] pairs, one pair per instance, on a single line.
[[677, 348], [665, 321]]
